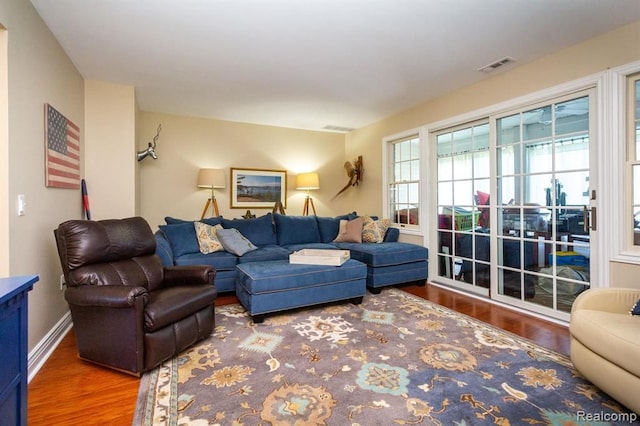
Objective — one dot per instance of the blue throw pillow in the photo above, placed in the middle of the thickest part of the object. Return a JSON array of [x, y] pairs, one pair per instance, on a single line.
[[234, 242], [329, 226], [297, 229], [182, 238], [259, 230], [636, 308]]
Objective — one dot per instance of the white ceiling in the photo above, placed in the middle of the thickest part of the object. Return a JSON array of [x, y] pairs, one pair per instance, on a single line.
[[312, 63]]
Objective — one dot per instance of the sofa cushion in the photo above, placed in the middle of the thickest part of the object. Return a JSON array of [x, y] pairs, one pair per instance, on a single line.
[[296, 229], [350, 231], [221, 260], [258, 230], [613, 336], [386, 254], [207, 237], [265, 253], [182, 238], [234, 242], [635, 310], [329, 226]]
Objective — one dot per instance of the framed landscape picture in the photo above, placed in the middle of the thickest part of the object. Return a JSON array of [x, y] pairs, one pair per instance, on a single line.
[[258, 188]]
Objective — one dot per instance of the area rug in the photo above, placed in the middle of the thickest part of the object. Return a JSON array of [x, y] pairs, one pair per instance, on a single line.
[[394, 359]]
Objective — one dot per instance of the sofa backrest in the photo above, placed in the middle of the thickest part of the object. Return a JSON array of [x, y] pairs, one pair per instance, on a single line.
[[259, 230], [296, 229]]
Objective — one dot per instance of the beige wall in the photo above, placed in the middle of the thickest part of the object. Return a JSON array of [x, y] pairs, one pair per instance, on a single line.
[[4, 155], [594, 56], [110, 163], [186, 144], [39, 72]]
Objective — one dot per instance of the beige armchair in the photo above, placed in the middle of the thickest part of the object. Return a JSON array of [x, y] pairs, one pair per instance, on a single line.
[[605, 342]]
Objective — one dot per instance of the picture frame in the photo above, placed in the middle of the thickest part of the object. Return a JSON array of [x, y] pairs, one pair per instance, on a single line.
[[257, 188], [62, 150]]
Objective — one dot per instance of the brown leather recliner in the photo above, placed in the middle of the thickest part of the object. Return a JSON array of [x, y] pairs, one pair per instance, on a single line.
[[129, 312]]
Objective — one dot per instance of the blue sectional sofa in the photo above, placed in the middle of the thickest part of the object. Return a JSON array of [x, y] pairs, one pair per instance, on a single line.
[[277, 236]]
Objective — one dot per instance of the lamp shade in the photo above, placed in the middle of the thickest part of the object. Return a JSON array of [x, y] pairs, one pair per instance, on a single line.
[[307, 181], [211, 178]]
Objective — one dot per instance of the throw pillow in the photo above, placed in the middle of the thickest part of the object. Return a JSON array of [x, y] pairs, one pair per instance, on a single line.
[[182, 238], [207, 238], [234, 242], [373, 231], [636, 308], [350, 231], [260, 230], [329, 226]]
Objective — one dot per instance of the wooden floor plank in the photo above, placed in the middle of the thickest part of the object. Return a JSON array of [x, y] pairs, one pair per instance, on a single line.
[[69, 391]]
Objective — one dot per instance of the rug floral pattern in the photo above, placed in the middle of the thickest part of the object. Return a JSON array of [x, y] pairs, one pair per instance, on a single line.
[[394, 359]]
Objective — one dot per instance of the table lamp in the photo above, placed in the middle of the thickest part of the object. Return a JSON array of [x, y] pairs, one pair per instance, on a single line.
[[214, 179], [308, 181]]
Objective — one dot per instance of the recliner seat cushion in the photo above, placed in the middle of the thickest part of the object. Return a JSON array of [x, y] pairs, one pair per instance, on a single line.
[[613, 336], [175, 303]]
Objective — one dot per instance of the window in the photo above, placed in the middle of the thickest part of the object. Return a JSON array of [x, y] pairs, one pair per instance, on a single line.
[[633, 94], [403, 187]]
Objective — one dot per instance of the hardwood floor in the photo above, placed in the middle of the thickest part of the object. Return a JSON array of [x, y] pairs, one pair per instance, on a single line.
[[69, 391]]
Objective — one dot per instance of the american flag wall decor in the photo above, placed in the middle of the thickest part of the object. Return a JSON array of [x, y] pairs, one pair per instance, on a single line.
[[62, 144]]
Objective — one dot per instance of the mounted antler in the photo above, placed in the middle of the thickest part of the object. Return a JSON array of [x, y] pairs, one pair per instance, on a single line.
[[151, 149]]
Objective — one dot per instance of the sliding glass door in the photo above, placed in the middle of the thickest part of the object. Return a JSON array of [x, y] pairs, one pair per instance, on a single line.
[[464, 170], [515, 205]]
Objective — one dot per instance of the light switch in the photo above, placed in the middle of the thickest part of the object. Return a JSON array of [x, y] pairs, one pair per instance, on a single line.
[[22, 205]]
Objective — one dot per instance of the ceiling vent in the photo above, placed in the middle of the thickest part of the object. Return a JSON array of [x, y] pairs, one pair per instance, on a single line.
[[338, 128], [497, 64]]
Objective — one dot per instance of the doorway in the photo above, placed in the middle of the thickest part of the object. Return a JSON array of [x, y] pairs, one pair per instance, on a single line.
[[515, 204]]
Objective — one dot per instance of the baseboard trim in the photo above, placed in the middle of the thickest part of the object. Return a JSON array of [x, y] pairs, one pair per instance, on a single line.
[[43, 350]]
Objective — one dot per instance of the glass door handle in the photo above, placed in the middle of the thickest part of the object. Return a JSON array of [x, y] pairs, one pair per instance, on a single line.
[[589, 219]]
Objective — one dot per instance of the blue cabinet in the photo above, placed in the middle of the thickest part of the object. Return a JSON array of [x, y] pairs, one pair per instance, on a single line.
[[13, 348]]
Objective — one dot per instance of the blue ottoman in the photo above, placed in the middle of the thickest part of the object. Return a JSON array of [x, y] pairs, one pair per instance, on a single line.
[[390, 263], [273, 286]]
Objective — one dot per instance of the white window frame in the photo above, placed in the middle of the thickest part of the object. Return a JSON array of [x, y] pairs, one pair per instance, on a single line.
[[599, 81], [616, 124], [387, 156]]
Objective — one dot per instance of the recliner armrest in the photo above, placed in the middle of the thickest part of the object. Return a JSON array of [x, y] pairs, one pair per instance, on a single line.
[[105, 296], [188, 275]]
